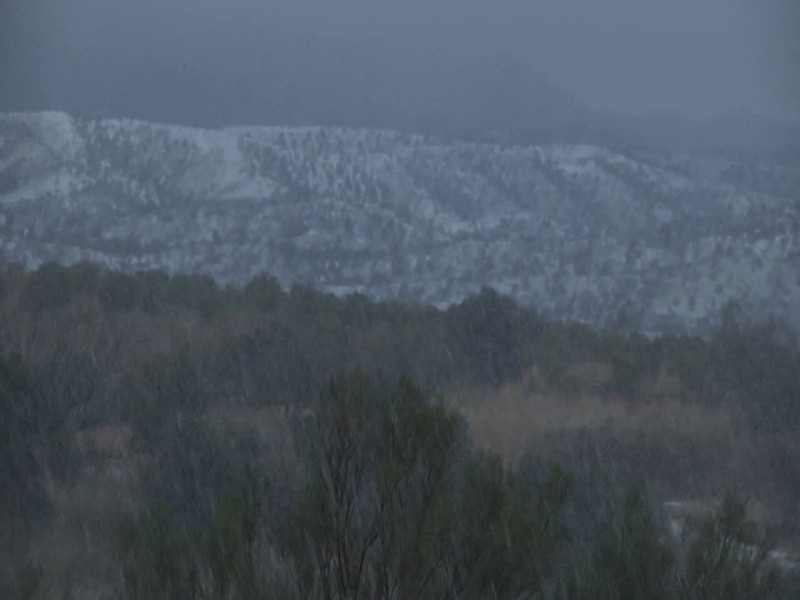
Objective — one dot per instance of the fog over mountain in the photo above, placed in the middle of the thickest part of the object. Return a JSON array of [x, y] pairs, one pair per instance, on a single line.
[[201, 62]]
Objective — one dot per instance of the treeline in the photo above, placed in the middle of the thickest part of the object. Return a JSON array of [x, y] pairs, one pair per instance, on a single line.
[[384, 497], [260, 344]]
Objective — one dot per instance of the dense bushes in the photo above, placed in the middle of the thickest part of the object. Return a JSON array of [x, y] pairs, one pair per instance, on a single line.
[[20, 478], [396, 505], [383, 495], [728, 558], [496, 338], [303, 336], [204, 493], [34, 441], [160, 393], [390, 501], [260, 345]]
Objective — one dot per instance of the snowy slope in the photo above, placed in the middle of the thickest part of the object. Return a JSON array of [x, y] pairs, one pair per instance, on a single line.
[[580, 231]]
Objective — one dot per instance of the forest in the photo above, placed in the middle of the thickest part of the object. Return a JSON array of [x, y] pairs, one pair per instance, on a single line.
[[165, 437]]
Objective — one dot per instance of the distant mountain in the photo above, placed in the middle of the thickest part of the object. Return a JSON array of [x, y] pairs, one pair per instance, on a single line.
[[736, 136], [581, 231], [740, 133], [273, 77], [217, 77]]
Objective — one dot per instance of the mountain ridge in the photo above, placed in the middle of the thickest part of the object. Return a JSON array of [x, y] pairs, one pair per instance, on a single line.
[[579, 230]]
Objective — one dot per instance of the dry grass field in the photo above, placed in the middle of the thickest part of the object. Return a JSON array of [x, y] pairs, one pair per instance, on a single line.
[[512, 420]]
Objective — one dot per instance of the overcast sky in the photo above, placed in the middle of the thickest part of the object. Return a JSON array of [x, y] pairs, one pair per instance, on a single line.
[[693, 57]]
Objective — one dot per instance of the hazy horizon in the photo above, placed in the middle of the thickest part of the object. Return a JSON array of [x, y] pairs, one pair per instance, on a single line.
[[694, 59]]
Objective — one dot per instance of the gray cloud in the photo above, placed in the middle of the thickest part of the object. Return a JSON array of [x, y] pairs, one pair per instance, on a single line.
[[695, 57]]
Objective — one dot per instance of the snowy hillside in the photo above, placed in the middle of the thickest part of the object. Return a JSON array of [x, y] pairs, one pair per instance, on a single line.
[[579, 231]]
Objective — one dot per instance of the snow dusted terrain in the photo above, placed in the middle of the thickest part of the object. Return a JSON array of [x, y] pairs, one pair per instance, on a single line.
[[579, 231]]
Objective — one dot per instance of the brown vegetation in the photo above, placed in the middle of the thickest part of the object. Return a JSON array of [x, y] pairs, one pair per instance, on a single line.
[[108, 441], [695, 416], [587, 378], [512, 420]]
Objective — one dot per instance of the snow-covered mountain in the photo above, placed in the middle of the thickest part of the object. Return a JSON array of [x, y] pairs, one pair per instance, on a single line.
[[579, 231]]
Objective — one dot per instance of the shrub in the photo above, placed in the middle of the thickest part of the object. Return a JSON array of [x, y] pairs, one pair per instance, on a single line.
[[396, 505], [34, 441], [728, 557]]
